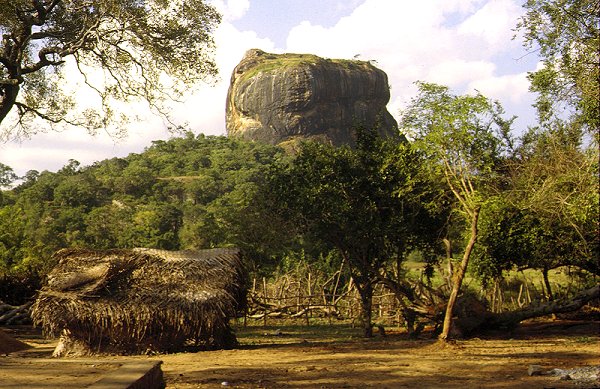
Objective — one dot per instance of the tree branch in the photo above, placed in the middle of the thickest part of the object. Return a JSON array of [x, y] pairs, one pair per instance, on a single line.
[[9, 81], [44, 61]]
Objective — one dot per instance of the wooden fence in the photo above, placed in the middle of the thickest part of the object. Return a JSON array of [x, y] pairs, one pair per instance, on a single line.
[[311, 297]]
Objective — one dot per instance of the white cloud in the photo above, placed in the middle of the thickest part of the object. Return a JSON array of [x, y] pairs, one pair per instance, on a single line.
[[231, 9], [456, 72], [451, 42], [513, 88], [493, 24]]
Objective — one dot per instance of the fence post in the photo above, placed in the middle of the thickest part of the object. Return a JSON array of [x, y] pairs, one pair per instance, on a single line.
[[309, 300], [265, 301]]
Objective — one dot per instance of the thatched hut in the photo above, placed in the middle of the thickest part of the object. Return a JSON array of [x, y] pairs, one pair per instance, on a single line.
[[141, 300]]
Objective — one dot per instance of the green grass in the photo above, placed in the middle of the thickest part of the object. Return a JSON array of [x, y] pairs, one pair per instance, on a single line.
[[563, 281], [271, 62], [288, 332], [585, 339]]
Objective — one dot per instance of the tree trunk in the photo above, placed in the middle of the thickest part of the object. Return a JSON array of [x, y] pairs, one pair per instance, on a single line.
[[402, 289], [8, 97], [549, 294], [15, 314], [365, 289], [448, 247], [512, 318], [458, 278]]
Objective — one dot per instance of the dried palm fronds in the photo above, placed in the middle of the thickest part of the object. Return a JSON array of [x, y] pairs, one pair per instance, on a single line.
[[132, 301]]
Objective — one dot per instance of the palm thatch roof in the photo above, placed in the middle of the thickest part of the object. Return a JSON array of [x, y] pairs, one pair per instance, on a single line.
[[132, 301]]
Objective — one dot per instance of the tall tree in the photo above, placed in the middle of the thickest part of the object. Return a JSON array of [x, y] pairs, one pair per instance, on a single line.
[[556, 175], [567, 35], [463, 136], [124, 49], [364, 202]]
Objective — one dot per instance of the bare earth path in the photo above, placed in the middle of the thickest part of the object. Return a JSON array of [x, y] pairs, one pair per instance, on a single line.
[[335, 357]]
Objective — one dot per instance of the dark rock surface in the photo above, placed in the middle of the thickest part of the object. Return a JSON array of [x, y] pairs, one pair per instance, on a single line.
[[278, 98]]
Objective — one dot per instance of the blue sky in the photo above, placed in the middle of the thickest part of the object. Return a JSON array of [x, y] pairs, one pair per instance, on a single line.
[[275, 18], [464, 44]]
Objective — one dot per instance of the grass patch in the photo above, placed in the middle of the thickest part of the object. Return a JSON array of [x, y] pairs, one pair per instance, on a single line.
[[288, 333], [585, 339], [269, 62]]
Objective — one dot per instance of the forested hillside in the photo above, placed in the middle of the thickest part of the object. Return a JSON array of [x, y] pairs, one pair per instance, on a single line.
[[185, 193]]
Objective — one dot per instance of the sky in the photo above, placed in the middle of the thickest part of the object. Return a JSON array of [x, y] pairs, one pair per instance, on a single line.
[[467, 45]]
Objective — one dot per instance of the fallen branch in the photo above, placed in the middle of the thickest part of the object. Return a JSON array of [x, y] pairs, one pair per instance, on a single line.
[[16, 315], [285, 311], [513, 318]]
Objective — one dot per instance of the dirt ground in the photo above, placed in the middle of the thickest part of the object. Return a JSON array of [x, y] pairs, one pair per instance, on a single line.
[[334, 357]]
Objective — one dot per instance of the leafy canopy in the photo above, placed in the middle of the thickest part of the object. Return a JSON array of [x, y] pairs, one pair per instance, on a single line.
[[567, 34], [124, 49], [184, 193], [464, 137], [7, 175], [548, 215], [370, 202]]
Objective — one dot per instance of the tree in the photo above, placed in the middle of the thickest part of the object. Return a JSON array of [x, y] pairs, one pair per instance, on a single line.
[[154, 226], [107, 227], [567, 34], [553, 183], [137, 179], [511, 237], [78, 190], [11, 237], [463, 136], [124, 50], [566, 191], [363, 202], [7, 175], [553, 192]]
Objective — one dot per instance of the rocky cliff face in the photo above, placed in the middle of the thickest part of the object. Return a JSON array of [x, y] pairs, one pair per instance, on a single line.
[[276, 98]]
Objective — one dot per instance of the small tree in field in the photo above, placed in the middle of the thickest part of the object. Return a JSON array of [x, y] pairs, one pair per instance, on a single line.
[[463, 135], [124, 49]]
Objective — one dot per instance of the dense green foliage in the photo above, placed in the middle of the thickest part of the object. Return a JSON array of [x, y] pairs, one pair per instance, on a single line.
[[191, 192], [548, 215], [7, 175]]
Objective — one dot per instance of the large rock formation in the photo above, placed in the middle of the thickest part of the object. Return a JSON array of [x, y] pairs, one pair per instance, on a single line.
[[275, 98]]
